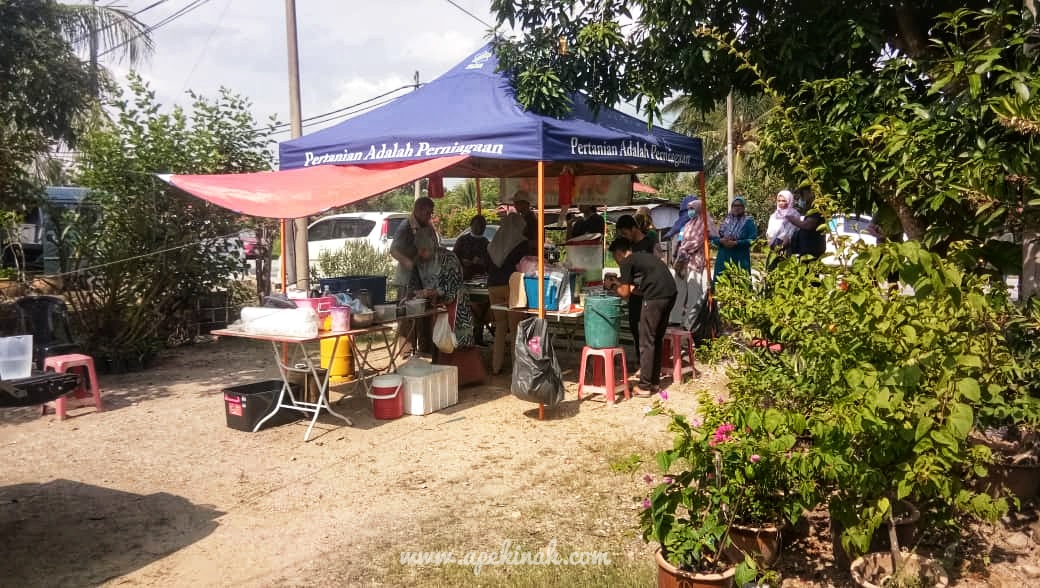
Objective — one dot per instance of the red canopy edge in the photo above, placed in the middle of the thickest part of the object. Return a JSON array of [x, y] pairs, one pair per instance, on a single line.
[[306, 191]]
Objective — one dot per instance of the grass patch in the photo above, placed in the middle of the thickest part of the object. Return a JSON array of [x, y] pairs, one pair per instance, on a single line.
[[626, 465]]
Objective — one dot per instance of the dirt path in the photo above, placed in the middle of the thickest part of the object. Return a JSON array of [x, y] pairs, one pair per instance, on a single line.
[[156, 491]]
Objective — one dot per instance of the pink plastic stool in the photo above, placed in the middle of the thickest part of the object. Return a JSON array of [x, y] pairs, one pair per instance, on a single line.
[[611, 383], [72, 361], [675, 340]]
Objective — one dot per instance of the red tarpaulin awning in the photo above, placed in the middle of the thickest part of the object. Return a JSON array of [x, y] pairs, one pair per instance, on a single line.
[[305, 191]]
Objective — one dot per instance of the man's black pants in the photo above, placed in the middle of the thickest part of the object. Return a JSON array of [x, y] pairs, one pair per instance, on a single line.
[[653, 322]]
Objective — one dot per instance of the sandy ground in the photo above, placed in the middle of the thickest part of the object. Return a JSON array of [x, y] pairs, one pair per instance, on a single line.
[[157, 491]]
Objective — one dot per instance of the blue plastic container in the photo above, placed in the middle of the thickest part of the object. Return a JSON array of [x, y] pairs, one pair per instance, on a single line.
[[552, 294]]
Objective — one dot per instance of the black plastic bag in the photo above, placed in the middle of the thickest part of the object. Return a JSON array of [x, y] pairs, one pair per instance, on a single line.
[[708, 325], [536, 372]]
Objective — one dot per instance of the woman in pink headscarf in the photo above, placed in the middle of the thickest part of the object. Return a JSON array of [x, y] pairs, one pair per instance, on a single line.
[[691, 264]]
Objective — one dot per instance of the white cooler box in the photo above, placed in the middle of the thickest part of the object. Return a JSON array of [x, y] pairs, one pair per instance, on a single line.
[[432, 392]]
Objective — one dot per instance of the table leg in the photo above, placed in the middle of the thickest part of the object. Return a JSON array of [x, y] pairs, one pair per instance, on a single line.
[[281, 394], [323, 390]]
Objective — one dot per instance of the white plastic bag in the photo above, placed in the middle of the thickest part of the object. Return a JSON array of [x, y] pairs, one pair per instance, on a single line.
[[443, 334]]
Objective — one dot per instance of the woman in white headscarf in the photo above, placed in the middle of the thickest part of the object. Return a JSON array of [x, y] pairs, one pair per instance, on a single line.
[[691, 264], [506, 250]]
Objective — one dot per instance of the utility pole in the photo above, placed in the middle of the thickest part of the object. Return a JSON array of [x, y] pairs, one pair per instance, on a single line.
[[729, 150], [418, 183], [94, 87], [301, 263]]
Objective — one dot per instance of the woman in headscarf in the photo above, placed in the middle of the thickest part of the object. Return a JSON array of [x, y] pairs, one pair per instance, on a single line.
[[736, 234], [506, 250], [691, 263], [674, 235], [646, 223], [440, 273]]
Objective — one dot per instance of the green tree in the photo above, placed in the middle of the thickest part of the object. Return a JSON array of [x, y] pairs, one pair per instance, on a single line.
[[153, 248], [103, 30], [934, 144], [44, 87], [644, 50]]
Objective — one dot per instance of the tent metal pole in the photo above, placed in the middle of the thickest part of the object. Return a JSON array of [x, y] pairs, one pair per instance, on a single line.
[[541, 256], [477, 182], [281, 253], [707, 240], [541, 239]]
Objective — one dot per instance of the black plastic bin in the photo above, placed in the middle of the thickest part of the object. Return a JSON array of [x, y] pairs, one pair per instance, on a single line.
[[376, 286], [245, 405]]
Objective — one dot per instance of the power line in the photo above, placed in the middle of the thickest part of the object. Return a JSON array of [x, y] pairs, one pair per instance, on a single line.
[[194, 4], [110, 25], [313, 120], [205, 46], [473, 16]]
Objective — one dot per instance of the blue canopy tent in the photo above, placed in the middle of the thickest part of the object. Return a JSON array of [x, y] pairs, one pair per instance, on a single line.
[[471, 110]]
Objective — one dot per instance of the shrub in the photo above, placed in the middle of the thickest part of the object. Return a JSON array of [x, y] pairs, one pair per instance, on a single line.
[[356, 258]]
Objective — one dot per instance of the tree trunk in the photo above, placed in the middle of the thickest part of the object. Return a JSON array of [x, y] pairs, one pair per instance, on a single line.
[[913, 227], [1029, 282]]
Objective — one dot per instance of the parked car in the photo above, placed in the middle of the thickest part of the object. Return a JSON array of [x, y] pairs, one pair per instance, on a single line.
[[249, 243], [332, 232], [552, 252], [851, 229]]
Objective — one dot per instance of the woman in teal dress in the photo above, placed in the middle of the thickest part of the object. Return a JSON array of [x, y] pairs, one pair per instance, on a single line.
[[736, 233]]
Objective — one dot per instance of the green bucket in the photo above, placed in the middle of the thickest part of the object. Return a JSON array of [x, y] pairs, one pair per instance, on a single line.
[[602, 319]]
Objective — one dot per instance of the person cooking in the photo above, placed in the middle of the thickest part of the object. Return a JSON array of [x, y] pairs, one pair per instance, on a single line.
[[589, 223], [657, 289], [522, 203], [628, 227], [403, 247], [472, 251]]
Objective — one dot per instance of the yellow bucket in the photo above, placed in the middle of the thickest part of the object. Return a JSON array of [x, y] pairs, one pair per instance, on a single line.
[[341, 367]]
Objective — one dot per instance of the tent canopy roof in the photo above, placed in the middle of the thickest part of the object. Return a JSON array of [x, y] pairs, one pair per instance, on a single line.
[[472, 110]]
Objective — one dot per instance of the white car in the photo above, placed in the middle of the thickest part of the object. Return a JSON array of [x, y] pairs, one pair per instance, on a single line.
[[848, 230], [332, 232]]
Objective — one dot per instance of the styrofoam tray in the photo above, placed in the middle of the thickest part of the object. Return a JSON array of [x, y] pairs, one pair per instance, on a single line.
[[432, 392]]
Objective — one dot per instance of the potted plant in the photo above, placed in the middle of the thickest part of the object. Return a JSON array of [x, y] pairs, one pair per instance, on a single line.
[[890, 382], [719, 510]]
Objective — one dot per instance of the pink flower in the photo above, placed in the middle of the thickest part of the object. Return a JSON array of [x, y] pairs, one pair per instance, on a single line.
[[664, 394], [646, 410], [719, 399], [667, 480], [646, 503], [755, 458], [696, 423], [721, 434], [648, 479]]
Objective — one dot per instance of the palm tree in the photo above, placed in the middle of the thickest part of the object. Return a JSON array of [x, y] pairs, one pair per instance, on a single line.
[[103, 30], [749, 112]]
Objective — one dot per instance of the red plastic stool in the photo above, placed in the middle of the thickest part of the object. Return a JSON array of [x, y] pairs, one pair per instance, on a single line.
[[72, 361], [675, 340], [611, 383]]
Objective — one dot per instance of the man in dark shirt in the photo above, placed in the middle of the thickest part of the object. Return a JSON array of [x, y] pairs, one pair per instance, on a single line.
[[657, 287], [628, 228], [472, 251], [591, 222]]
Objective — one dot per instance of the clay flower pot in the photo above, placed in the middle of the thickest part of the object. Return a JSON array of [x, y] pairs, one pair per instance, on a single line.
[[1021, 478], [874, 569], [669, 576], [763, 544], [907, 518]]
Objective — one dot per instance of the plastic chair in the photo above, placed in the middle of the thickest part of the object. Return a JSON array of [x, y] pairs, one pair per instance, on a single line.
[[675, 342], [611, 383], [46, 319], [88, 381]]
